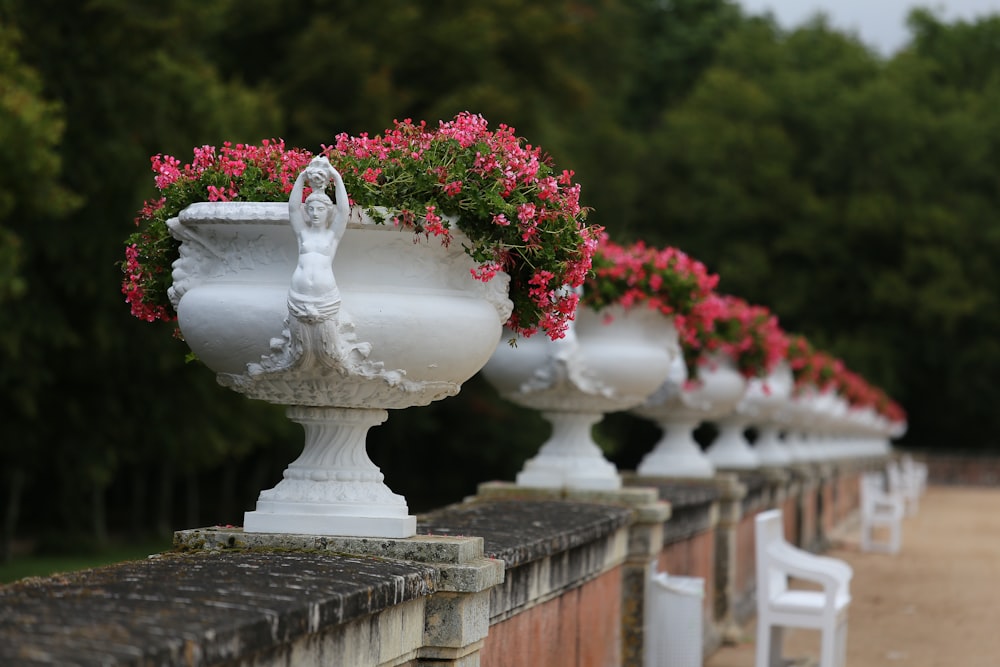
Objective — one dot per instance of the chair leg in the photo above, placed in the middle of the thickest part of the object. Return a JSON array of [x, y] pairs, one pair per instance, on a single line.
[[777, 652], [895, 537], [763, 644], [769, 643], [829, 643], [842, 644]]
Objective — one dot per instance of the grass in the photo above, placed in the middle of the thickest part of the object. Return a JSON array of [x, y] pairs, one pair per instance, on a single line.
[[43, 566]]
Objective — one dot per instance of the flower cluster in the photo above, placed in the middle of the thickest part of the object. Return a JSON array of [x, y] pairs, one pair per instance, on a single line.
[[234, 172], [822, 371], [748, 334], [811, 367], [665, 279], [521, 215]]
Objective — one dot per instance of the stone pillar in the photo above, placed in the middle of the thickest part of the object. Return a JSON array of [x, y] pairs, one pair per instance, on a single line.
[[457, 617], [808, 505], [732, 493], [644, 544]]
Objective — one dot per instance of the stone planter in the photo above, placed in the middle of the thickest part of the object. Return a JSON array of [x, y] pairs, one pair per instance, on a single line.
[[396, 324], [608, 361]]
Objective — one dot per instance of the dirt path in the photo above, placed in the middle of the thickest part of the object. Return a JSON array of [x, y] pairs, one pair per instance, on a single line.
[[935, 604]]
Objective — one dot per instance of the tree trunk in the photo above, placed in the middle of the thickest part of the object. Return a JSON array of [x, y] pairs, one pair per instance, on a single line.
[[15, 480]]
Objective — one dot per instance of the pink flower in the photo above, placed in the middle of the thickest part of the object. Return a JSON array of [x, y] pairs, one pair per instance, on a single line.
[[166, 169]]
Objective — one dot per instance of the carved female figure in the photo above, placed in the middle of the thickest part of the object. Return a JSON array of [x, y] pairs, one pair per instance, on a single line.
[[319, 225]]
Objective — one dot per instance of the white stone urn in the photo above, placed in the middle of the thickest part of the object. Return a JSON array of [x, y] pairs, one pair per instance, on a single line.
[[763, 398], [339, 328], [679, 406], [609, 361], [801, 417], [873, 432], [834, 427]]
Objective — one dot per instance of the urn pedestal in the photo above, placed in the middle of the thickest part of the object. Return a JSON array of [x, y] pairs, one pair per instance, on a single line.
[[763, 398], [678, 407], [608, 361], [803, 424], [403, 324]]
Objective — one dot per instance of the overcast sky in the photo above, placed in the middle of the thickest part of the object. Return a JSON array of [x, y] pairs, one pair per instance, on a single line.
[[878, 23]]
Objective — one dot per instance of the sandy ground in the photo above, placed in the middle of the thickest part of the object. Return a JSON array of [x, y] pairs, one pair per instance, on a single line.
[[935, 604]]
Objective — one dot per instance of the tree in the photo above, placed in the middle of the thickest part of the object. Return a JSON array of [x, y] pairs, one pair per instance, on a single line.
[[852, 196], [89, 378], [31, 188]]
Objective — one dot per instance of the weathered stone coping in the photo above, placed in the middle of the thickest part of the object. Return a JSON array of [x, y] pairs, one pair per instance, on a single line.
[[693, 502], [547, 546], [520, 531], [196, 608], [458, 560], [758, 490]]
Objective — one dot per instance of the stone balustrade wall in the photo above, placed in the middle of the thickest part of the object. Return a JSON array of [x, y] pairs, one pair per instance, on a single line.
[[961, 469], [511, 576]]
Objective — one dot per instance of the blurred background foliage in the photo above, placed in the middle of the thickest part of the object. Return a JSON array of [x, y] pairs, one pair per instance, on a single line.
[[854, 195]]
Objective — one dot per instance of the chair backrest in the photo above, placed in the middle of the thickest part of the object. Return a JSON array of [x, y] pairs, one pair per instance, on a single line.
[[769, 529], [872, 487], [895, 475], [874, 480]]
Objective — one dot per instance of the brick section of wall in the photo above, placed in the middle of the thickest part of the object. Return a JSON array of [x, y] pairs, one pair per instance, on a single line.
[[580, 628], [790, 518]]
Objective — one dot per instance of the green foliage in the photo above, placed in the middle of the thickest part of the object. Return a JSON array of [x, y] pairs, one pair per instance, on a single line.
[[855, 197]]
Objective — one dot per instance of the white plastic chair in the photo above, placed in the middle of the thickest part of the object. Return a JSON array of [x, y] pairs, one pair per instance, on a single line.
[[779, 607], [880, 509], [905, 485], [916, 471]]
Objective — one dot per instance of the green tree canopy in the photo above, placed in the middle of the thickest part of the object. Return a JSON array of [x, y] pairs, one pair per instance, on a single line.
[[854, 196]]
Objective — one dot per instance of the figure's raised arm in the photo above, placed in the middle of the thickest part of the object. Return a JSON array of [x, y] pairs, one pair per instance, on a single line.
[[343, 205], [295, 215]]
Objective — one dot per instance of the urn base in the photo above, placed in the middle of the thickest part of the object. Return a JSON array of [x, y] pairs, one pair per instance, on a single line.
[[731, 451], [333, 488], [677, 454], [293, 523], [561, 475], [570, 459]]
